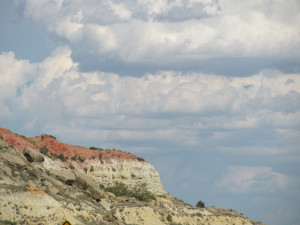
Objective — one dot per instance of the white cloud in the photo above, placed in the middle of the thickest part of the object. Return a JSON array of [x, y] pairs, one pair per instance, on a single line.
[[166, 106], [243, 179], [133, 32], [15, 76]]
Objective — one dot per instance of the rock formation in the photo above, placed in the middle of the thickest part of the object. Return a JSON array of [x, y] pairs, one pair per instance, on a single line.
[[43, 181]]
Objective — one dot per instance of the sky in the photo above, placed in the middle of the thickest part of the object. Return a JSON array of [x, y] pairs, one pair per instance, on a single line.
[[207, 91]]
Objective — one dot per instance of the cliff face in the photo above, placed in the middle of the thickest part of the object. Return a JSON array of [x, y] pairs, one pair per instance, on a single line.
[[66, 183], [129, 172], [105, 166]]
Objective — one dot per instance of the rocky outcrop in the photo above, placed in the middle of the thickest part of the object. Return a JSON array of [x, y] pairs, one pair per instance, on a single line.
[[13, 160], [32, 155], [64, 175], [36, 191], [12, 155], [85, 181], [104, 166], [129, 172]]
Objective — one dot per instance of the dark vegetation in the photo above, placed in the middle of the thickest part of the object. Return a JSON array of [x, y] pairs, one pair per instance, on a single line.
[[81, 159], [95, 148], [169, 218], [200, 204], [44, 150], [61, 157], [140, 192], [52, 137], [7, 222], [140, 159]]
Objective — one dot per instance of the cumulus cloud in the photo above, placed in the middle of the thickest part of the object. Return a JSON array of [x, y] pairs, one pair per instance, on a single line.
[[15, 76], [253, 179], [192, 109], [136, 31]]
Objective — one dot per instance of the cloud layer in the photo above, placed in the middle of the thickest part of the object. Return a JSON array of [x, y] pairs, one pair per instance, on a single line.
[[193, 109], [172, 32]]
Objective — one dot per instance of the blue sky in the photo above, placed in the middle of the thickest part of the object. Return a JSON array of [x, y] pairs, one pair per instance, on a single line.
[[208, 91]]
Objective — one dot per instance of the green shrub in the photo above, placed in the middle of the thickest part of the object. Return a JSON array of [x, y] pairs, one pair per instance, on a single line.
[[72, 167], [119, 189], [91, 169], [44, 150], [95, 148], [61, 157], [140, 159], [52, 137], [200, 204], [85, 169], [169, 218], [140, 192], [81, 159], [74, 158]]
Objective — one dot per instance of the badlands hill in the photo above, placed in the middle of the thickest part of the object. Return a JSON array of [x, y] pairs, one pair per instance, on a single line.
[[44, 181]]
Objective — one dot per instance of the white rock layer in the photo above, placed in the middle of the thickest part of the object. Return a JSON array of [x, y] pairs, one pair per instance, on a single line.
[[130, 172]]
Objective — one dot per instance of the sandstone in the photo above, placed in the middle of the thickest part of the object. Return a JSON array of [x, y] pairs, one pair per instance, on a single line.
[[13, 159], [32, 155], [51, 188], [105, 204], [56, 183], [6, 170], [64, 175], [34, 208], [85, 181], [4, 144], [123, 171], [126, 199], [109, 217], [146, 216], [111, 195], [97, 196]]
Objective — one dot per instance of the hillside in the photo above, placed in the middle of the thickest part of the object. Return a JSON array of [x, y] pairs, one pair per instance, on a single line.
[[44, 181]]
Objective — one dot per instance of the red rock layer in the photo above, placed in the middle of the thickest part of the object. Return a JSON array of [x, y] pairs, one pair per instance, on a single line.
[[58, 148]]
